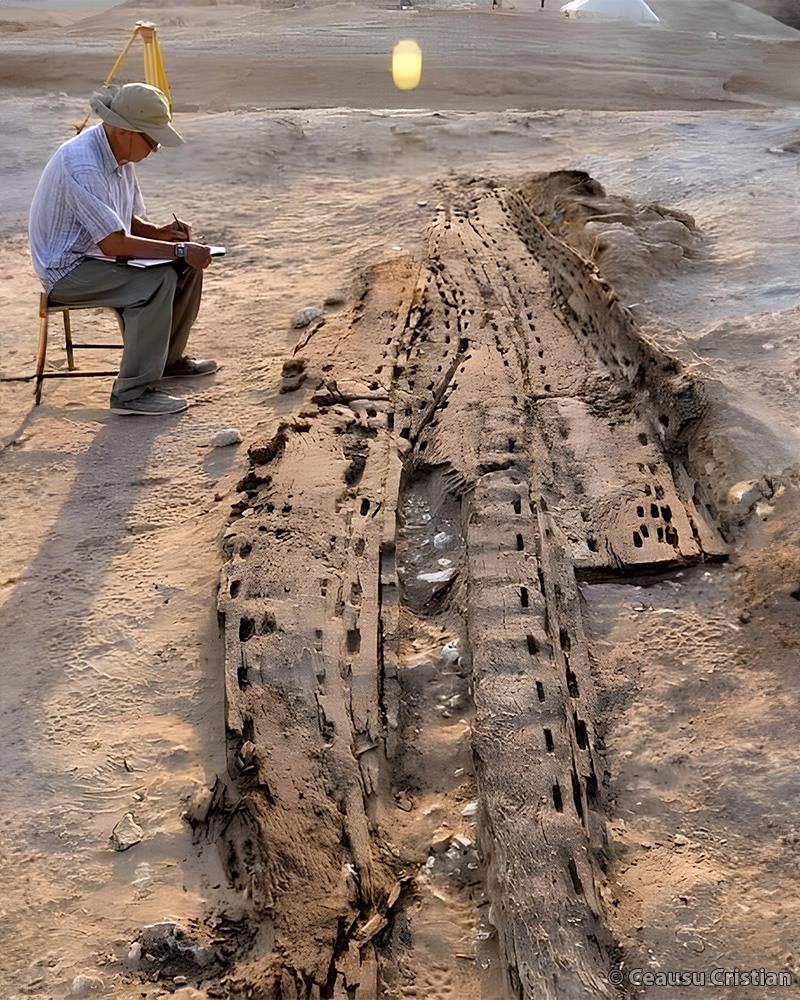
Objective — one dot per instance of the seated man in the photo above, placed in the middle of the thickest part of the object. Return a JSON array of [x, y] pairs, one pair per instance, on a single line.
[[88, 202]]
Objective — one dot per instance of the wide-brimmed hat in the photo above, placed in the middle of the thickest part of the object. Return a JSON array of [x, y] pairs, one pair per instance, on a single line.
[[136, 107]]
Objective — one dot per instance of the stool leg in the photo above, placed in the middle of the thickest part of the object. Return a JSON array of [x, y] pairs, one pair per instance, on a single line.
[[42, 348], [68, 341]]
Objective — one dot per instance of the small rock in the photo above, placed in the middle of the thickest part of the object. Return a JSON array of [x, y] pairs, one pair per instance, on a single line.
[[135, 952], [226, 437], [126, 833], [463, 842], [84, 986], [470, 810], [449, 653], [180, 980], [166, 944], [405, 802], [305, 316], [745, 616], [679, 840]]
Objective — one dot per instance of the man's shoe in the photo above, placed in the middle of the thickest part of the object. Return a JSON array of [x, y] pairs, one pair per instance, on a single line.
[[187, 367], [150, 403]]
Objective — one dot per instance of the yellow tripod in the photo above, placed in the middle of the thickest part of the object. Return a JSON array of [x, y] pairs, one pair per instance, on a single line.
[[154, 72]]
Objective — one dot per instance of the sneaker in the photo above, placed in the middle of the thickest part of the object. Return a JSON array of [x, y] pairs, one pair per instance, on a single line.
[[186, 367], [150, 403]]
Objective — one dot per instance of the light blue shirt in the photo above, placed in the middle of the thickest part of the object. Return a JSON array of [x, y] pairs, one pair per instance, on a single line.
[[83, 196]]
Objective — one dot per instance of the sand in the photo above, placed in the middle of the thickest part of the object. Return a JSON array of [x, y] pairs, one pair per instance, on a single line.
[[326, 185]]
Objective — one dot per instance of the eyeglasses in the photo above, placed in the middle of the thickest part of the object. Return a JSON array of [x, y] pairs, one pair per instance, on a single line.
[[154, 146]]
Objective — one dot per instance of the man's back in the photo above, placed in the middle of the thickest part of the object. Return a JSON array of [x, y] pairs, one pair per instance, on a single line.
[[82, 197]]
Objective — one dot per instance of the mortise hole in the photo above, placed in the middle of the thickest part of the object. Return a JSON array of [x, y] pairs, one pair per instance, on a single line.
[[247, 629], [581, 734], [563, 639], [660, 534], [640, 511], [548, 739], [642, 438], [518, 506], [666, 512], [645, 531], [365, 506], [653, 510], [235, 587], [523, 596], [572, 683], [577, 798], [573, 874], [558, 802], [353, 640], [520, 543], [592, 544], [664, 420], [540, 690], [637, 541], [533, 649]]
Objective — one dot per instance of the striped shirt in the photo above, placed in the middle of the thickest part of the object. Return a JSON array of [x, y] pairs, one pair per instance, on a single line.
[[83, 196]]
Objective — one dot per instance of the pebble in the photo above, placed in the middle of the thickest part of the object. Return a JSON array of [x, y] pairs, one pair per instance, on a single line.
[[84, 986], [167, 941], [305, 316], [449, 653], [226, 437], [126, 833]]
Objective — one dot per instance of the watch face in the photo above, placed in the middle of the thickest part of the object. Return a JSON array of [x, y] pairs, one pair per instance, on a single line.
[[180, 250]]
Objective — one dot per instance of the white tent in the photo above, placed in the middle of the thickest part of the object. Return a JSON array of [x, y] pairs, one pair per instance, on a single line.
[[628, 10]]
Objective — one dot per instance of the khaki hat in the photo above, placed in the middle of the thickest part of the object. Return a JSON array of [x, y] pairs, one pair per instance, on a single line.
[[136, 107]]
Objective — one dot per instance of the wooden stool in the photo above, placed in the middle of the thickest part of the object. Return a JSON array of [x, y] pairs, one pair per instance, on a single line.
[[46, 307]]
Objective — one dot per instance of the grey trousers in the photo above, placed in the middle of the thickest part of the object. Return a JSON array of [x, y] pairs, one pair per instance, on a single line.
[[158, 306]]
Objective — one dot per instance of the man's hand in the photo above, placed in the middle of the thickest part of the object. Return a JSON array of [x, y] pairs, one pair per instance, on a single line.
[[198, 255], [177, 231], [174, 232]]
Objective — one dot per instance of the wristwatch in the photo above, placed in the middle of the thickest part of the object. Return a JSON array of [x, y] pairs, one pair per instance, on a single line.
[[180, 249]]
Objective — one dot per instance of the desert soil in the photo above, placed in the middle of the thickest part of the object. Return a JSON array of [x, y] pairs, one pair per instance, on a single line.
[[417, 598]]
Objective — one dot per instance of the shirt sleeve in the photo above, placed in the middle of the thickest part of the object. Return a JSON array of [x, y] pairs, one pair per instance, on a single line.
[[89, 197]]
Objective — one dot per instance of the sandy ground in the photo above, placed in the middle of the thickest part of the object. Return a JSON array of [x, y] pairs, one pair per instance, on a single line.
[[310, 167]]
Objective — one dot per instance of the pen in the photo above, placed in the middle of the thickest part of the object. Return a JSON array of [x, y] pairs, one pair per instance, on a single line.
[[178, 223]]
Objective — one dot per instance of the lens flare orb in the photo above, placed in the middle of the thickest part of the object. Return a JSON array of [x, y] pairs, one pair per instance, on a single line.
[[406, 64]]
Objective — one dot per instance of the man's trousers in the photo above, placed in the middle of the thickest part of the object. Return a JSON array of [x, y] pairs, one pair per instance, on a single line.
[[158, 306]]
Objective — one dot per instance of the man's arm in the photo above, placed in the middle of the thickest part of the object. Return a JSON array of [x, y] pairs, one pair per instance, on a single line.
[[121, 244]]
